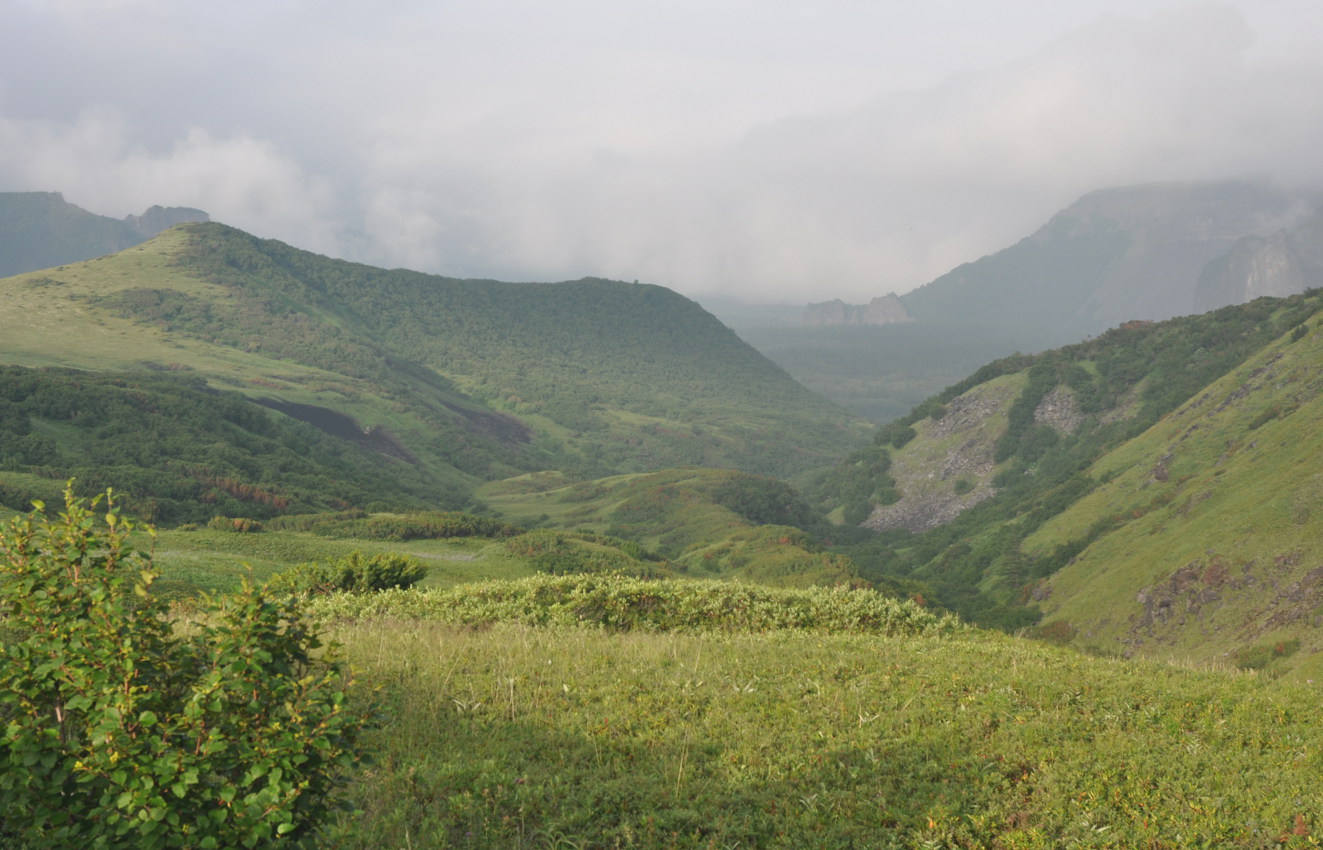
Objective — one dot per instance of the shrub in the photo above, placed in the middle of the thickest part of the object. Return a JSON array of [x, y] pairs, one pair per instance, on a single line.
[[354, 573], [623, 603], [123, 731], [238, 524]]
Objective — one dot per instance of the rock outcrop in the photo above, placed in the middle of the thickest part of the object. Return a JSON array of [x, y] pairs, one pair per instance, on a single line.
[[158, 218], [1286, 262], [885, 310]]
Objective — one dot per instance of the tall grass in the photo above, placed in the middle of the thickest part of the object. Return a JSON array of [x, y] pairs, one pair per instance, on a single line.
[[519, 736]]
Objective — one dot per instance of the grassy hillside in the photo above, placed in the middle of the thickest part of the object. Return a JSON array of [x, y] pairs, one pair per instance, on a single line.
[[513, 735], [617, 377], [714, 523], [420, 386], [1204, 538], [957, 487]]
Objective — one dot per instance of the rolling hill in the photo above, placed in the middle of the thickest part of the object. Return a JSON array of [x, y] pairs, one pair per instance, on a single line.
[[455, 381]]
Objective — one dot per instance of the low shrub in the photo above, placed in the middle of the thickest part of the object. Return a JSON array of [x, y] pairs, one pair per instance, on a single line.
[[624, 604], [354, 573]]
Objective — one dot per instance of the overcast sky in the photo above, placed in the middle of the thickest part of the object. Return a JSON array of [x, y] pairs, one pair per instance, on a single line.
[[774, 150]]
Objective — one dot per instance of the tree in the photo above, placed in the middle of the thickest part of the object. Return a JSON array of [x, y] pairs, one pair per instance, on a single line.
[[121, 728]]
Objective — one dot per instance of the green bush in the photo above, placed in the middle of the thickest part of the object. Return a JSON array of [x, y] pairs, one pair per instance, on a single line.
[[122, 730], [238, 524], [354, 573]]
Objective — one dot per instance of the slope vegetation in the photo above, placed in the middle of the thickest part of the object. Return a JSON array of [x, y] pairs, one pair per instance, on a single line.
[[462, 380], [964, 490], [705, 522], [1205, 537]]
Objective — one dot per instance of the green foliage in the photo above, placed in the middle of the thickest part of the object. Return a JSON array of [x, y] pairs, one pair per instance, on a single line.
[[179, 451], [574, 553], [901, 436], [122, 730], [1260, 657], [584, 737], [354, 573], [426, 525], [764, 501], [1121, 383], [622, 603]]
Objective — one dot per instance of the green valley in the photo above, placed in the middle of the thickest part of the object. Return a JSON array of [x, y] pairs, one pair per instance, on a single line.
[[665, 596]]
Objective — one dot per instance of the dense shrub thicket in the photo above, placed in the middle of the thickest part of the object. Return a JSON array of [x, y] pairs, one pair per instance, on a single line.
[[179, 451]]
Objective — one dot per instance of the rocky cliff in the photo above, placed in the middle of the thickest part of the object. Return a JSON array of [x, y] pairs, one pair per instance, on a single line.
[[1285, 262], [885, 310], [158, 218]]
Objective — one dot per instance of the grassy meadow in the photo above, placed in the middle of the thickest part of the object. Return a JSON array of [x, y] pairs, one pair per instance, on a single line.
[[526, 710], [511, 736], [596, 711]]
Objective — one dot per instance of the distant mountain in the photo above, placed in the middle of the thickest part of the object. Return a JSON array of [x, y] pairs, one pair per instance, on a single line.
[[40, 230], [885, 310], [158, 218], [1284, 262], [1143, 252], [1115, 255], [451, 382]]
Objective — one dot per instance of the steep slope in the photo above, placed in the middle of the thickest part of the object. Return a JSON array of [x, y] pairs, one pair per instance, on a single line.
[[39, 230], [1206, 538], [466, 380], [957, 487]]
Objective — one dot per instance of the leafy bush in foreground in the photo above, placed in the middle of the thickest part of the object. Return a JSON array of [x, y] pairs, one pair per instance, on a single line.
[[122, 732], [622, 603]]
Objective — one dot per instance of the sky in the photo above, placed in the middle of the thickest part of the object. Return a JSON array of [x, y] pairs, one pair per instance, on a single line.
[[773, 151]]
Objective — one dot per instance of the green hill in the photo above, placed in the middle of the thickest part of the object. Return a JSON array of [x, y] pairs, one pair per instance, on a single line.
[[460, 380], [998, 483], [1204, 537], [705, 522]]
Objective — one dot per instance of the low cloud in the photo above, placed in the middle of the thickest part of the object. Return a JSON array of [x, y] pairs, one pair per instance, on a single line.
[[588, 142], [240, 180]]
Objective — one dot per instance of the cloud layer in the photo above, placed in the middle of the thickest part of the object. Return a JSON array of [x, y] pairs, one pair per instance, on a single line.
[[790, 152]]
